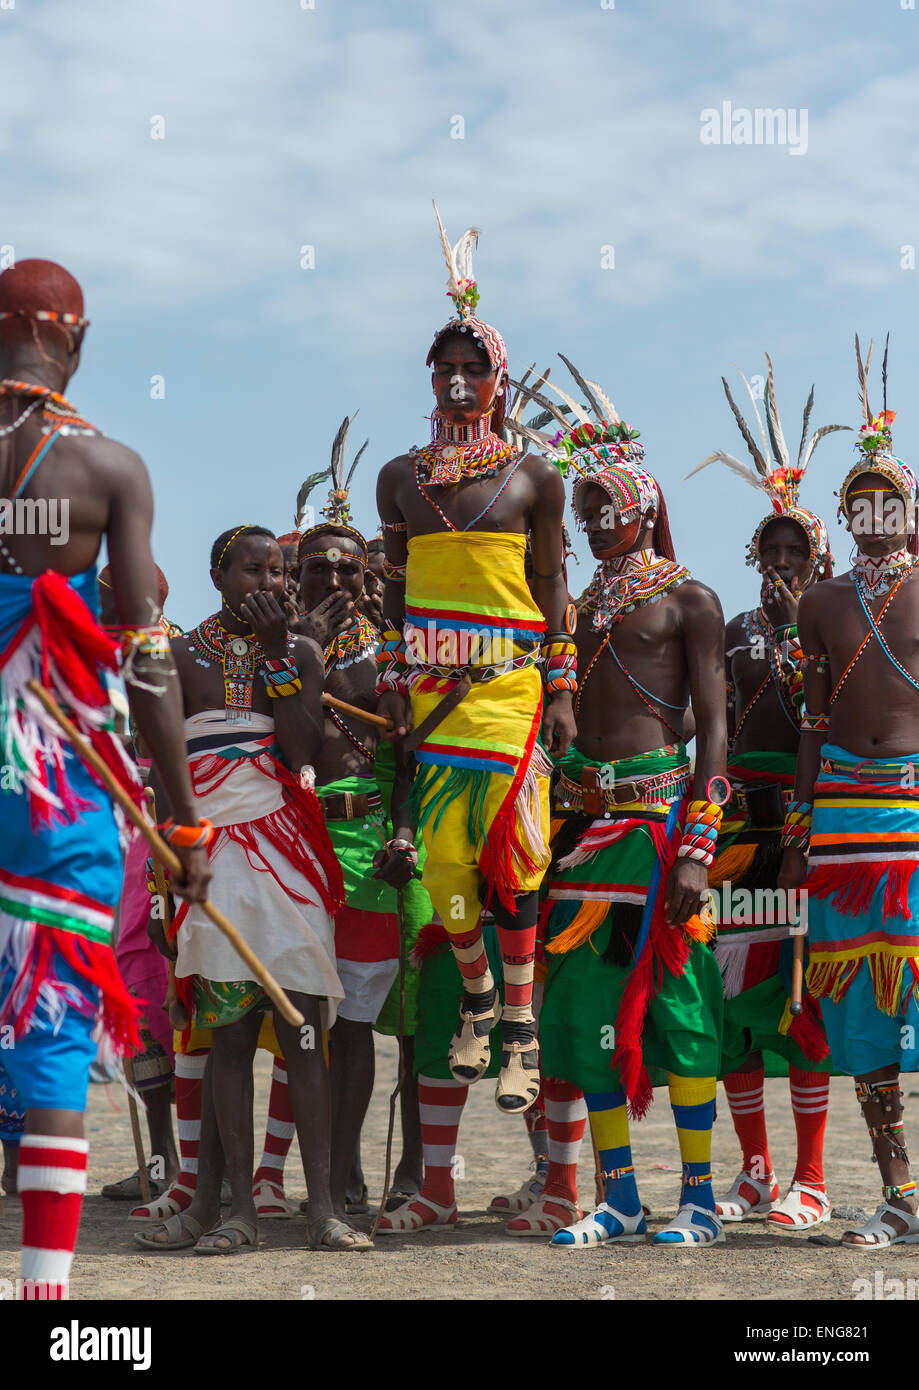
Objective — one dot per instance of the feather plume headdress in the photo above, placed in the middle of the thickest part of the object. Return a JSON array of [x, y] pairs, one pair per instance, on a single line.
[[338, 510], [513, 436], [463, 290], [782, 481], [874, 445]]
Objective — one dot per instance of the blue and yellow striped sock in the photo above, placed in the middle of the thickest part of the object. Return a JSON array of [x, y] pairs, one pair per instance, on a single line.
[[609, 1126], [693, 1102]]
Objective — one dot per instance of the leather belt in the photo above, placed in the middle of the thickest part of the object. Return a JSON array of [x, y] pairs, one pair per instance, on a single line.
[[593, 799], [349, 805]]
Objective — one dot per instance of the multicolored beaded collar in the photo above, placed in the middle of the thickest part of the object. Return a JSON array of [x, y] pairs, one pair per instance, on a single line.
[[627, 582], [356, 643], [52, 403], [878, 576], [462, 451], [814, 528], [241, 658]]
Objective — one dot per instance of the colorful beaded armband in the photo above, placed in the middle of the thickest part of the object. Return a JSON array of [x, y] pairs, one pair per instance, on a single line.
[[797, 828], [394, 572], [392, 663], [281, 677], [903, 1189], [814, 723], [187, 836], [700, 833], [560, 662]]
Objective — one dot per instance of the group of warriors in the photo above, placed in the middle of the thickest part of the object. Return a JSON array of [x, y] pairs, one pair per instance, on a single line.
[[444, 799]]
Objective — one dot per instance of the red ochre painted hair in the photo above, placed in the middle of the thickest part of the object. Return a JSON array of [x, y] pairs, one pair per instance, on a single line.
[[36, 284], [105, 576], [661, 538]]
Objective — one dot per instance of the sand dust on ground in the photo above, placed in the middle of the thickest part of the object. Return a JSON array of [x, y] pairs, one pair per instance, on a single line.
[[474, 1259]]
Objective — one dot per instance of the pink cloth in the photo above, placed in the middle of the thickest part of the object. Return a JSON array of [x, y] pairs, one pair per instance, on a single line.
[[143, 969]]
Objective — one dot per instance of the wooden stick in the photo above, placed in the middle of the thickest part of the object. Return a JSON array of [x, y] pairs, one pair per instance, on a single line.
[[797, 975], [375, 719], [142, 1174], [400, 1079], [175, 1009], [166, 855]]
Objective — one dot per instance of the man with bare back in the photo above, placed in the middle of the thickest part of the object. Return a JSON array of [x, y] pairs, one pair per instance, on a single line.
[[60, 864]]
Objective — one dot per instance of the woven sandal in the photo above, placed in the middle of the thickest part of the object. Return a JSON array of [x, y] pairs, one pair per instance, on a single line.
[[879, 1233], [597, 1228], [538, 1220], [518, 1084], [170, 1204], [691, 1228], [802, 1216], [737, 1206], [408, 1218], [470, 1052], [521, 1200]]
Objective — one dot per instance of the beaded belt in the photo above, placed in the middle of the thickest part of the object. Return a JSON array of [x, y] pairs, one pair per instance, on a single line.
[[349, 805], [477, 673], [652, 792]]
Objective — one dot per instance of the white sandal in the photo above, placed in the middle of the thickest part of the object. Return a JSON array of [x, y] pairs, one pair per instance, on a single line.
[[517, 1083], [271, 1203], [592, 1230], [735, 1207], [879, 1233], [469, 1056], [405, 1219], [538, 1221], [803, 1216], [521, 1200], [687, 1232], [163, 1207]]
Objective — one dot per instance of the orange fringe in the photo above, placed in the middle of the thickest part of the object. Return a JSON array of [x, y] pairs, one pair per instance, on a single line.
[[732, 863], [700, 929], [590, 915]]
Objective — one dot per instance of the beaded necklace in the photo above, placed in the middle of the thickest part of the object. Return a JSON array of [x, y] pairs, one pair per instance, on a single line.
[[352, 738], [462, 451], [877, 576], [240, 656], [758, 628], [627, 582], [875, 624], [356, 643], [53, 403], [859, 589], [442, 514]]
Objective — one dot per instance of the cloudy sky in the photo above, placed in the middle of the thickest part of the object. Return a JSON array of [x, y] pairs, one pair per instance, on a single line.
[[286, 126]]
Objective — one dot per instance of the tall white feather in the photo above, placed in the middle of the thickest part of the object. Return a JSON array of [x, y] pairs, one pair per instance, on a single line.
[[735, 465], [462, 254]]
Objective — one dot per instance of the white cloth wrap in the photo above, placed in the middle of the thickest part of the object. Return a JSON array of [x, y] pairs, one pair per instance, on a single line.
[[295, 941]]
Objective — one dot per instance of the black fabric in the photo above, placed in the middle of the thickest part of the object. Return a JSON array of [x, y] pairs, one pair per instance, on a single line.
[[626, 924]]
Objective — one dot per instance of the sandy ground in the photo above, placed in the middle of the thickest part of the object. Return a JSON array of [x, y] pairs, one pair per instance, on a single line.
[[475, 1259]]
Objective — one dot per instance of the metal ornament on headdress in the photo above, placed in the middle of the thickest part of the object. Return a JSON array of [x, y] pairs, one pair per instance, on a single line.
[[782, 482], [463, 290], [874, 444]]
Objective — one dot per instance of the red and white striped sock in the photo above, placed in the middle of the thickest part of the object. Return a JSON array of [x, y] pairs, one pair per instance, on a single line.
[[51, 1183], [810, 1099], [189, 1072], [441, 1106], [279, 1130], [746, 1099], [469, 954], [566, 1114], [537, 1128]]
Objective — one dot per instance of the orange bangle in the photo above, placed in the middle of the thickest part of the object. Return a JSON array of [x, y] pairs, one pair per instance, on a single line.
[[187, 836]]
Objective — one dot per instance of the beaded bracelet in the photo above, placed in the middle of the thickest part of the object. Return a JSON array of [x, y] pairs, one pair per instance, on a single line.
[[814, 723], [700, 833], [281, 677], [187, 836], [797, 829], [560, 661], [392, 663], [394, 572]]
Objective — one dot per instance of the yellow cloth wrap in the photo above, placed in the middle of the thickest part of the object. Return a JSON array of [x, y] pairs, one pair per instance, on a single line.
[[481, 797], [199, 1040]]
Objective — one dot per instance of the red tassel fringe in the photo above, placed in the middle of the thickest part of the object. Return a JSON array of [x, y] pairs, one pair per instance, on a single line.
[[121, 1012], [852, 886], [503, 845], [807, 1031]]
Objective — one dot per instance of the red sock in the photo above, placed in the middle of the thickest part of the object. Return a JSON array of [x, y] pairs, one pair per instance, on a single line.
[[518, 952], [470, 957], [745, 1097], [810, 1097], [441, 1106], [566, 1116], [279, 1129], [51, 1182]]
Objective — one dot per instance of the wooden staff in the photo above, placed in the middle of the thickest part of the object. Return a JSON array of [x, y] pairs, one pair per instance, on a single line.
[[166, 855], [400, 1079], [797, 975], [375, 719], [142, 1174], [175, 1009]]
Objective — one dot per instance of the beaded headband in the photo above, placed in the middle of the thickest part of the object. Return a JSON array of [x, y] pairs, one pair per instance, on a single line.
[[45, 316], [782, 482], [322, 531], [874, 444], [249, 525], [631, 489]]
